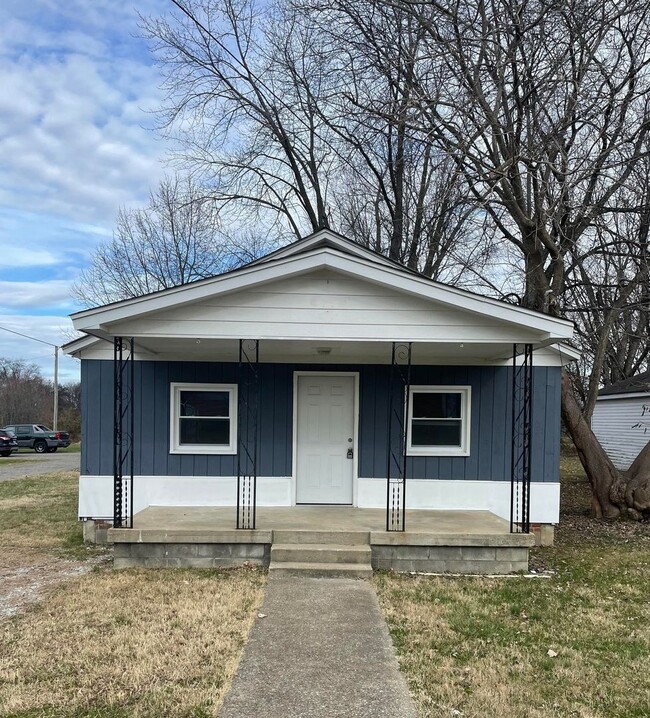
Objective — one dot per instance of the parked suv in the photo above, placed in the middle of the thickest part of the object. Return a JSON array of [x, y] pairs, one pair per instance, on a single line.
[[8, 443], [39, 437]]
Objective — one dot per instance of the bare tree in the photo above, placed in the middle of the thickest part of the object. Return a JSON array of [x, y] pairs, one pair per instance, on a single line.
[[607, 295], [174, 240], [265, 104], [25, 396], [544, 106], [240, 107]]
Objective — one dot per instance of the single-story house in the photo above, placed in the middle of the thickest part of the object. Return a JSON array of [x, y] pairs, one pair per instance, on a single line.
[[322, 375], [621, 419]]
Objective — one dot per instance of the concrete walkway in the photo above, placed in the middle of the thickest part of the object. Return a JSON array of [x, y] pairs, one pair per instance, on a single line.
[[322, 651]]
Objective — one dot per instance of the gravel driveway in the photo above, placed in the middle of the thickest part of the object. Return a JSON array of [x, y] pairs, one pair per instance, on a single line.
[[32, 464]]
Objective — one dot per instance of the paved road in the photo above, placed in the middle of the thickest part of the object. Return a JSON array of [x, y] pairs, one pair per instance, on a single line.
[[322, 650], [32, 464]]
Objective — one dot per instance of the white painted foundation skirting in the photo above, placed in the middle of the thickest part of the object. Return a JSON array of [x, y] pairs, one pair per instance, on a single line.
[[96, 494], [491, 496]]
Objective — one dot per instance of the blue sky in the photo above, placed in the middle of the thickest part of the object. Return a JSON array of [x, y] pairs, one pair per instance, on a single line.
[[76, 142]]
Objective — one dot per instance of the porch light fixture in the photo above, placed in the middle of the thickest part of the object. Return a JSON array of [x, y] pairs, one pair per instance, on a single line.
[[323, 350]]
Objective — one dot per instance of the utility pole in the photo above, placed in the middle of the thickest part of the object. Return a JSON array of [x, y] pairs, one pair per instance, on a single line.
[[55, 413]]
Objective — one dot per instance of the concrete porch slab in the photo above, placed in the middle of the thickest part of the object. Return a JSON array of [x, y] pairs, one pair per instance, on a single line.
[[435, 541], [323, 518]]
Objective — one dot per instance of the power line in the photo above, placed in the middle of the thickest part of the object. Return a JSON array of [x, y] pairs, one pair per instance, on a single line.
[[28, 337]]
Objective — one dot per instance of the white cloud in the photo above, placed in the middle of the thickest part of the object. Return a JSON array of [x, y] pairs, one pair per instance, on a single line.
[[17, 256], [78, 91], [36, 295], [65, 144]]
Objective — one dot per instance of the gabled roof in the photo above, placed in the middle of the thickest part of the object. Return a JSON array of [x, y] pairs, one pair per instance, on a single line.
[[324, 250], [638, 384], [329, 238]]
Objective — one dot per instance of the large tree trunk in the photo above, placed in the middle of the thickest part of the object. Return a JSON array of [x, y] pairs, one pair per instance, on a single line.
[[612, 491], [597, 465], [636, 490]]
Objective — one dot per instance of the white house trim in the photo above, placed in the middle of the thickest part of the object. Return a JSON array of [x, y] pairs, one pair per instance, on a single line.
[[626, 395], [175, 446], [548, 328], [465, 417], [327, 237], [448, 494]]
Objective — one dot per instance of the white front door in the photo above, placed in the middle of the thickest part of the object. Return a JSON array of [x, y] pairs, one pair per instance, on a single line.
[[325, 451]]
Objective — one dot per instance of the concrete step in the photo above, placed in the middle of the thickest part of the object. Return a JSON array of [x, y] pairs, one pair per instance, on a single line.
[[320, 570], [320, 553], [347, 538]]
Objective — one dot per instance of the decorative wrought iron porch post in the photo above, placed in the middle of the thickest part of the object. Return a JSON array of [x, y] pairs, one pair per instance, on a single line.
[[522, 400], [123, 431], [247, 432], [398, 409]]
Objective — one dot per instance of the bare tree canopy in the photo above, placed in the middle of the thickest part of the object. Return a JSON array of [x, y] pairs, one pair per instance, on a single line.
[[293, 129], [174, 240], [543, 108], [26, 397]]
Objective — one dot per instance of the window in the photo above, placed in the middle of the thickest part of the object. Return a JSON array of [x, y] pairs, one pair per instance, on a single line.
[[439, 420], [203, 418]]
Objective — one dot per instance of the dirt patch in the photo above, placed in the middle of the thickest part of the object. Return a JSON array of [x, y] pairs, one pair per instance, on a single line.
[[26, 578], [41, 543]]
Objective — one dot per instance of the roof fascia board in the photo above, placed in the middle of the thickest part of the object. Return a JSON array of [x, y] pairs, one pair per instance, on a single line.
[[345, 245], [625, 395], [75, 345], [96, 319]]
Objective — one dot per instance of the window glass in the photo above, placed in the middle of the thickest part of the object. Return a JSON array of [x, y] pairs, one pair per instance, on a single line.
[[205, 403], [438, 421], [436, 405], [205, 431], [204, 418], [426, 432]]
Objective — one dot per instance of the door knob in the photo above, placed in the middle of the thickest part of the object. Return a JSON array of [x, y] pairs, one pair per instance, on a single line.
[[350, 453]]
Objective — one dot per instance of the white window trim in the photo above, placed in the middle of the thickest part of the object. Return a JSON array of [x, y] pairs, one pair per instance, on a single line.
[[465, 415], [175, 446]]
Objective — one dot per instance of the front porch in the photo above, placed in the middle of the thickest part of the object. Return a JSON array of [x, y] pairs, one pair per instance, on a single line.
[[328, 540]]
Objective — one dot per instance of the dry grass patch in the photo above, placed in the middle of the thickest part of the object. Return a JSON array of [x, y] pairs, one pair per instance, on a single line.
[[40, 513], [480, 646], [40, 539], [134, 643]]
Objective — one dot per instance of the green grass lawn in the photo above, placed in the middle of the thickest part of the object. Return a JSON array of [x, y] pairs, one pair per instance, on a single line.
[[40, 513], [110, 644], [481, 646]]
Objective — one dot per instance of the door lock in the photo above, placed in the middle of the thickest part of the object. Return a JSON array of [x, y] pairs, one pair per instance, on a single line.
[[350, 453]]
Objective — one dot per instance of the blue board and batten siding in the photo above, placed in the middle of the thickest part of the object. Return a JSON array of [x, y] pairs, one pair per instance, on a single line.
[[489, 457]]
